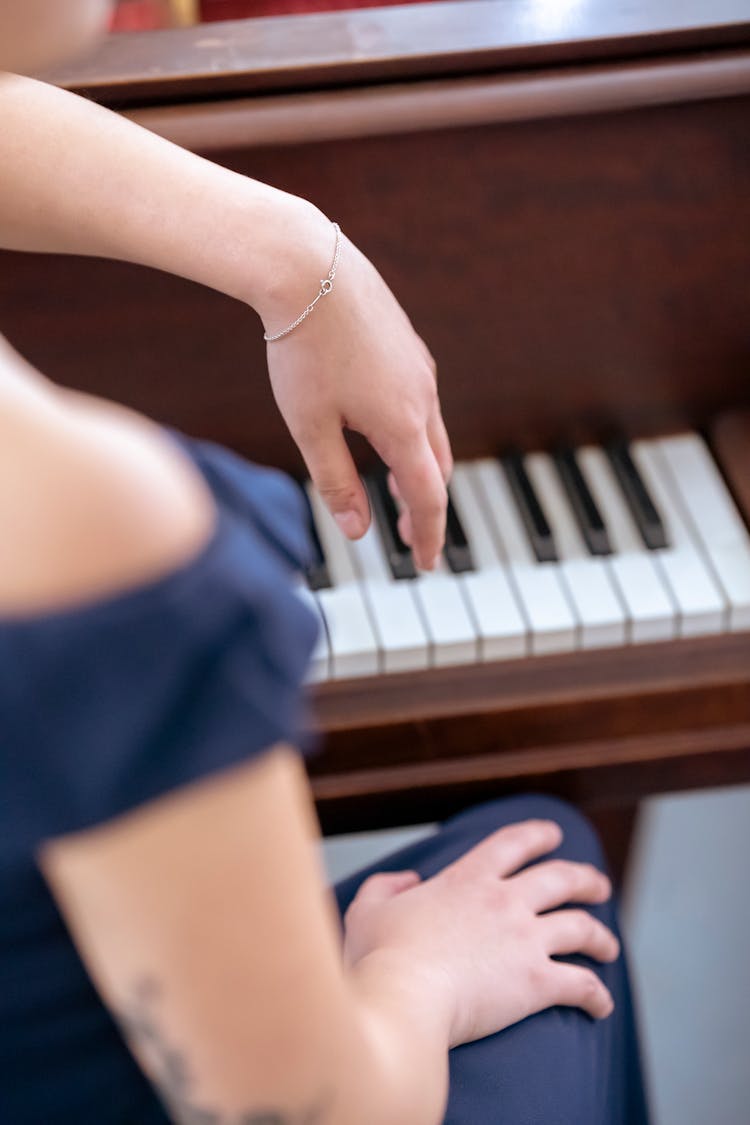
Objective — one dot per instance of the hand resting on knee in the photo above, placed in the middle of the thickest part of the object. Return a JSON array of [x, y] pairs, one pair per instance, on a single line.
[[481, 937]]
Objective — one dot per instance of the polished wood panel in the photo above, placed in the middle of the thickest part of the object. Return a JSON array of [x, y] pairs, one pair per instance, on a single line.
[[570, 719], [366, 111], [570, 275], [410, 41], [730, 437]]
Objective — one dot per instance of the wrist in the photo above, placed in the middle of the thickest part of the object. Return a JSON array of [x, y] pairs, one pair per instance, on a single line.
[[293, 245], [406, 1025], [414, 995]]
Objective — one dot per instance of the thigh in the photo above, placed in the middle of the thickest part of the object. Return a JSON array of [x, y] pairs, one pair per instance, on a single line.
[[559, 1067]]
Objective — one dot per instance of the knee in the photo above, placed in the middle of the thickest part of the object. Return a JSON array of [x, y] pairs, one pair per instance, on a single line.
[[580, 839]]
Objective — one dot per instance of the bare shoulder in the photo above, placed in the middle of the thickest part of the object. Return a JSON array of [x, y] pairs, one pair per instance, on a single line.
[[97, 498]]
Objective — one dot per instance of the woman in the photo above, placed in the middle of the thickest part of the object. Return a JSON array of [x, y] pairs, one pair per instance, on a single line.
[[158, 865]]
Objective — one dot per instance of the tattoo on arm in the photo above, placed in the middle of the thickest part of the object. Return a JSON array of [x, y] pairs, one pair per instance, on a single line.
[[171, 1075]]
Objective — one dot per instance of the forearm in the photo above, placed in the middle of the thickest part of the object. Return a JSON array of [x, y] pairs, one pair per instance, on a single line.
[[232, 967], [78, 179], [377, 1060], [371, 1049]]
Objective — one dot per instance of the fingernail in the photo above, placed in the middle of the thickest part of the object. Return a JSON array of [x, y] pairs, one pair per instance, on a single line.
[[350, 523]]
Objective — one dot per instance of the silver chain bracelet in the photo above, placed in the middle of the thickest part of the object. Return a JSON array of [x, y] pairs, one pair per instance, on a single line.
[[326, 285]]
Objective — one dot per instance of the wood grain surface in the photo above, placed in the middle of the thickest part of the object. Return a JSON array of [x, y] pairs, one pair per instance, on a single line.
[[384, 44]]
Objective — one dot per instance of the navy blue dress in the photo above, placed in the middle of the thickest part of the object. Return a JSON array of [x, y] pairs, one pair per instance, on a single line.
[[111, 704], [104, 707]]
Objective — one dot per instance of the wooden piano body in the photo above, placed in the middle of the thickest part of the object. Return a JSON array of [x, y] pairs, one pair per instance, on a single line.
[[560, 197]]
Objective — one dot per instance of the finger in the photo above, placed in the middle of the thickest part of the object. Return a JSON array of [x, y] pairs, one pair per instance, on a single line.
[[394, 489], [404, 520], [577, 931], [551, 884], [422, 488], [405, 528], [335, 476], [576, 987], [385, 885], [513, 846], [429, 357], [437, 436]]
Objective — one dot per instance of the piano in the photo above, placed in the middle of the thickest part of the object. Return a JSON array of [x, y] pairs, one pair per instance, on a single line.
[[559, 195], [588, 549]]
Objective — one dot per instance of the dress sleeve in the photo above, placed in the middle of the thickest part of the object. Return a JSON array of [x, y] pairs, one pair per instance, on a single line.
[[265, 498], [110, 705]]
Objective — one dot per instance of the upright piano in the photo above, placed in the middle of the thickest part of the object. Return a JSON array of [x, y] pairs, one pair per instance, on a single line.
[[559, 195]]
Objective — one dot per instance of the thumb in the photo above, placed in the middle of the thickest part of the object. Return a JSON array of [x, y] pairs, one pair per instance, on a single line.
[[335, 476], [385, 885]]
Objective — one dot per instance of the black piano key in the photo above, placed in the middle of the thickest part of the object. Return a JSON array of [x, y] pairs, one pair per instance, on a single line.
[[592, 526], [316, 574], [534, 520], [385, 514], [457, 551], [642, 508]]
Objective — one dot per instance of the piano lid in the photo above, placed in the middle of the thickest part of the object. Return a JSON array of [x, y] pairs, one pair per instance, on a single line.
[[429, 39]]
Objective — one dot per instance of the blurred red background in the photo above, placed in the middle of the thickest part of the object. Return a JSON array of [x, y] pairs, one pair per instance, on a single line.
[[135, 15]]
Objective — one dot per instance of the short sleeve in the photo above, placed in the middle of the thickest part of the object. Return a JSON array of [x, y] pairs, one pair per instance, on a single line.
[[265, 499], [116, 703]]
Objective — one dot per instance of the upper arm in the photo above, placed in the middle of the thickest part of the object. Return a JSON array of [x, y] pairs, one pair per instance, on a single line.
[[106, 501], [204, 922], [201, 915]]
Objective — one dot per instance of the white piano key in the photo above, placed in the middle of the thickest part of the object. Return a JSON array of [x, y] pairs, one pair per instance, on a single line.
[[589, 585], [444, 613], [705, 496], [353, 645], [732, 568], [319, 668], [354, 649], [703, 608], [710, 511], [502, 629], [341, 567], [512, 543], [467, 503], [648, 602], [553, 628], [447, 619], [395, 615]]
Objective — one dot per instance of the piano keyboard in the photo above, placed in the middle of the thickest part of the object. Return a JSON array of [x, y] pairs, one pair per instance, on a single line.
[[588, 548]]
